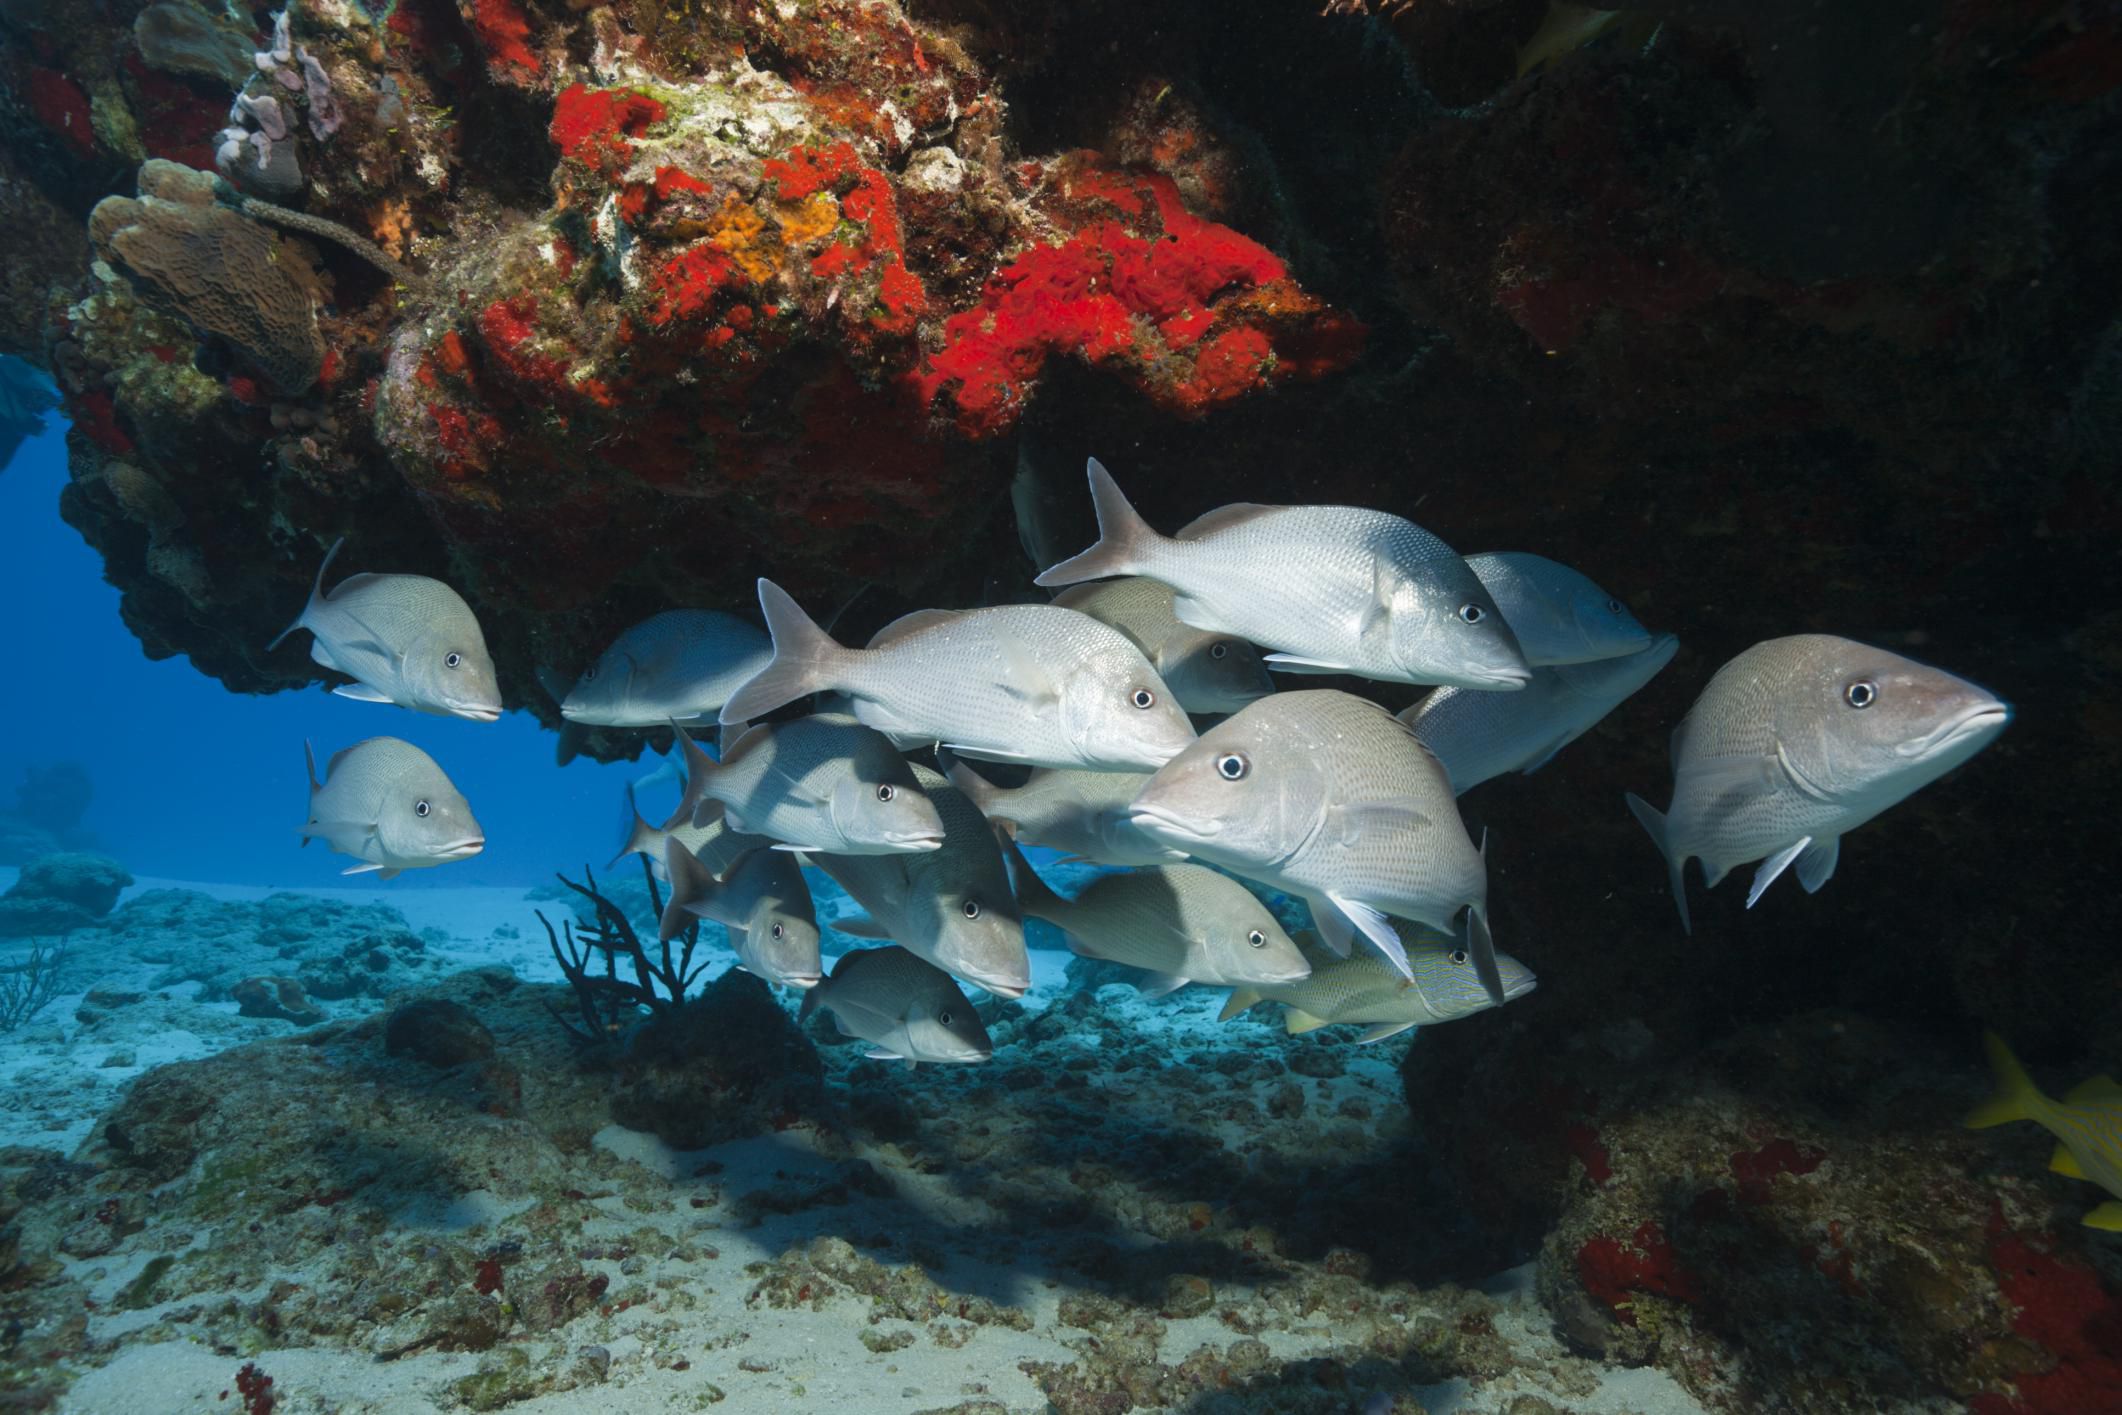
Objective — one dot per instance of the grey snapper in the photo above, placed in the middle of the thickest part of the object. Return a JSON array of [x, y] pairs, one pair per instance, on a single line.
[[953, 907], [817, 783], [1366, 989], [906, 1009], [1210, 672], [1558, 614], [1016, 682], [762, 902], [1797, 742], [1182, 923], [1332, 589], [404, 639], [1477, 736], [677, 666], [386, 803], [713, 841], [1082, 814], [1330, 796]]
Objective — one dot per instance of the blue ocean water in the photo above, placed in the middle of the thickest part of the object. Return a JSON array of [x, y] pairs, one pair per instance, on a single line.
[[195, 782]]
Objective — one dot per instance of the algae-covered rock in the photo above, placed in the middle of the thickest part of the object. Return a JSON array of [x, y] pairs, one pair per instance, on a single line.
[[57, 894], [728, 1063], [437, 1031]]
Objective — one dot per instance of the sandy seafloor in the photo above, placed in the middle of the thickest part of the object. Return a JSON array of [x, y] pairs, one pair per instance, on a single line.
[[697, 1333]]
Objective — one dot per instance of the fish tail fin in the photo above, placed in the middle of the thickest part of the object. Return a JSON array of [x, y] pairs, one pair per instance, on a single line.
[[700, 769], [1653, 822], [2016, 1096], [805, 659], [691, 884], [316, 592], [641, 837], [1123, 537], [1240, 1000], [1481, 947], [1034, 895]]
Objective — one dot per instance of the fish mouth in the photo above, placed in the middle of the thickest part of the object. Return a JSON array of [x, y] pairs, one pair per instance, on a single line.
[[1498, 680], [914, 844], [478, 712], [1157, 823], [1976, 722], [462, 849], [1520, 988], [1010, 991], [803, 980]]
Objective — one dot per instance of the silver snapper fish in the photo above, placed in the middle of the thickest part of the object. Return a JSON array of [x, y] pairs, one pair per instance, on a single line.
[[677, 666], [1365, 989], [1329, 796], [953, 907], [1477, 736], [717, 846], [817, 783], [907, 1010], [1797, 742], [1558, 614], [387, 803], [1016, 682], [1332, 589], [1082, 814], [1182, 923], [1210, 672], [404, 639], [763, 903]]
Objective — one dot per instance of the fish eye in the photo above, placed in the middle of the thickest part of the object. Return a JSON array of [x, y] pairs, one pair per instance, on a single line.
[[589, 674], [1861, 694], [1472, 613], [1256, 939], [421, 808], [1613, 606], [777, 931], [1457, 955], [887, 791], [453, 659], [1232, 766], [1143, 698], [1219, 650], [972, 908], [944, 1017]]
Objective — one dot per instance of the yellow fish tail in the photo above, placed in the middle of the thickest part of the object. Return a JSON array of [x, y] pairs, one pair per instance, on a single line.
[[2107, 1217], [2016, 1096]]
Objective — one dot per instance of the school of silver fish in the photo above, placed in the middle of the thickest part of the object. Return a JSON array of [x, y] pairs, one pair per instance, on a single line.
[[1158, 747]]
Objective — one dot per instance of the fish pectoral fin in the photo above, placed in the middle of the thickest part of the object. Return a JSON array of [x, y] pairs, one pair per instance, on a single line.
[[2065, 1163], [1296, 663], [859, 926], [883, 1054], [2107, 1217], [1817, 865], [1380, 1031], [1374, 926], [1775, 865], [1296, 1020], [796, 850], [362, 693], [1024, 677], [360, 869], [1335, 930], [1154, 985], [1351, 824]]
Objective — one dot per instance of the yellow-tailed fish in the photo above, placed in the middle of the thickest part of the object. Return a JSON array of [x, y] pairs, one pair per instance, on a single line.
[[2087, 1124]]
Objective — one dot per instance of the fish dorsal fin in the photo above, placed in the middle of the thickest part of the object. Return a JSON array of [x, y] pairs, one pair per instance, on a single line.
[[1222, 519], [907, 625], [2096, 1090]]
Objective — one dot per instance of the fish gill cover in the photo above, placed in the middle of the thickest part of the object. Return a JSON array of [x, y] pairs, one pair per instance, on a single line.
[[1775, 325]]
